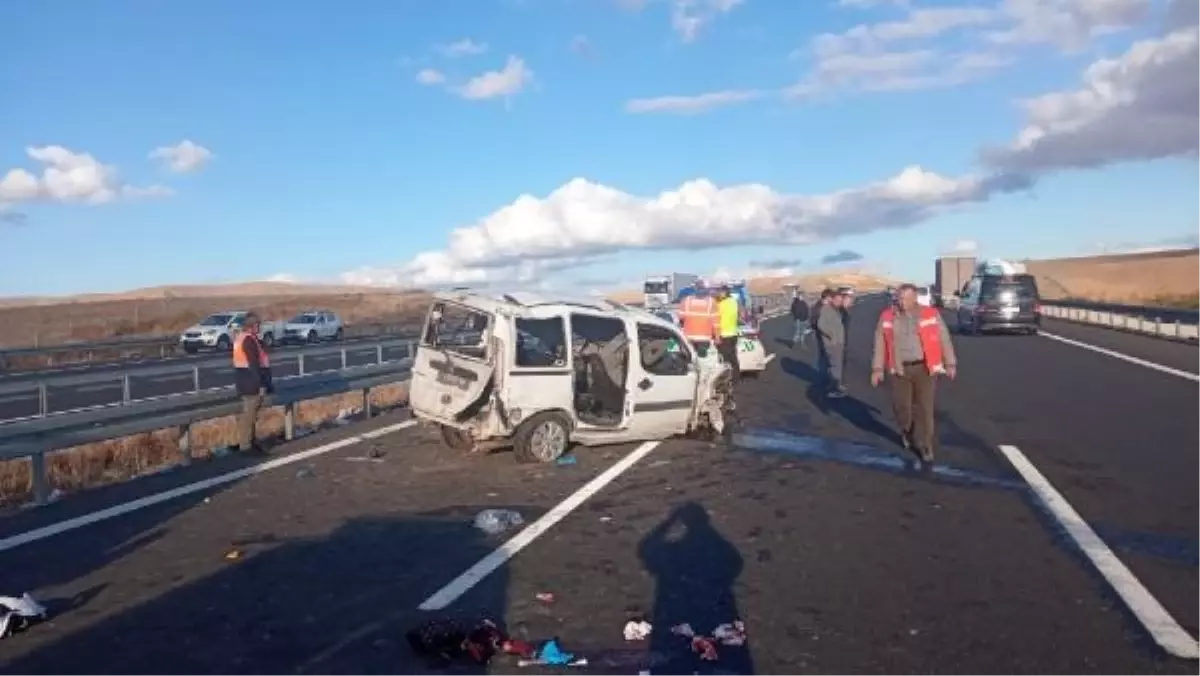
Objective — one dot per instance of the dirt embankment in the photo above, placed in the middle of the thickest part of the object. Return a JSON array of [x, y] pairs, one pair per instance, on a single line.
[[1169, 278]]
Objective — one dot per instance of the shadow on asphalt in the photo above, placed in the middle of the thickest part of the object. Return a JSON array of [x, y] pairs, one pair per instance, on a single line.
[[854, 411], [695, 569], [335, 604]]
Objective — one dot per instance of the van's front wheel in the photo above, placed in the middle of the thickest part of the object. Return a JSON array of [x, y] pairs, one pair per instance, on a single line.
[[543, 438]]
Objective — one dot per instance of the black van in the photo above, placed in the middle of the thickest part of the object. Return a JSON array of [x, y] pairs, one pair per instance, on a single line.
[[1000, 302]]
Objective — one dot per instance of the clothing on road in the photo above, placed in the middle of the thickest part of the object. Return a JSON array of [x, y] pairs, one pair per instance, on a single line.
[[913, 347]]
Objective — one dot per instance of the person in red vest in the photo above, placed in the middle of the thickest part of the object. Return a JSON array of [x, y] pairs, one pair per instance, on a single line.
[[252, 378], [913, 347]]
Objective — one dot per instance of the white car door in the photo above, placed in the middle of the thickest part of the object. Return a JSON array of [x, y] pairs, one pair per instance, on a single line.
[[662, 383]]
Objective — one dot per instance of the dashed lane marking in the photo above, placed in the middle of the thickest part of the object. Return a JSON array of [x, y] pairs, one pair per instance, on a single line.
[[150, 500], [1120, 355], [1162, 627]]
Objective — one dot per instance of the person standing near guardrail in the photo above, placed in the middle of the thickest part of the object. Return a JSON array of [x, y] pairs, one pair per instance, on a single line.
[[913, 346], [252, 377]]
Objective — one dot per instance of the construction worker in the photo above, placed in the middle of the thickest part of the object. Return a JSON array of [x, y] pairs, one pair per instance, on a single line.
[[698, 318], [252, 377], [913, 347], [728, 328]]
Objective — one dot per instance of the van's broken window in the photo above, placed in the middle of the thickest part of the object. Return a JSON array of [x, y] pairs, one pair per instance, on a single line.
[[456, 328], [541, 342]]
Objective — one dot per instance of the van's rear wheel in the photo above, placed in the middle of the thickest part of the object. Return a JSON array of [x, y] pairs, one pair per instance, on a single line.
[[456, 439], [543, 438]]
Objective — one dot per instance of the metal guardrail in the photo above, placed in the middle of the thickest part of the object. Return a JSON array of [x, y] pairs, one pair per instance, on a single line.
[[38, 437], [43, 386], [166, 345], [1139, 323], [1163, 314]]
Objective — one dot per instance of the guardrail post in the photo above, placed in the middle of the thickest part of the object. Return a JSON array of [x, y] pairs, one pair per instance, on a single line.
[[1158, 326], [289, 421], [37, 472], [1178, 329], [43, 400], [366, 405], [300, 363], [125, 388], [379, 354], [343, 359], [196, 378], [185, 444]]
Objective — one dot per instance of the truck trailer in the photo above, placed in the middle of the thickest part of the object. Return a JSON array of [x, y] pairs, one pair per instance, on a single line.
[[951, 273], [663, 290]]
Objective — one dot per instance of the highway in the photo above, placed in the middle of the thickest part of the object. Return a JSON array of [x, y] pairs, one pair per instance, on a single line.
[[809, 524], [21, 403], [127, 365]]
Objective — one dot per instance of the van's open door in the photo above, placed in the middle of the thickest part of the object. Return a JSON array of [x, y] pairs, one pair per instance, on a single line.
[[453, 367]]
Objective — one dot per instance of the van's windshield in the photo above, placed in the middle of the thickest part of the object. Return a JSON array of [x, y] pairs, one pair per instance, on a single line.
[[458, 329], [1023, 287]]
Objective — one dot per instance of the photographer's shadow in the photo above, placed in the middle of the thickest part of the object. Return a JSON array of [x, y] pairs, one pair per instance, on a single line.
[[696, 569]]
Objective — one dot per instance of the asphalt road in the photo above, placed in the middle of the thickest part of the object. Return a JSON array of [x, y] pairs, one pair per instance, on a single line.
[[131, 365], [809, 525], [23, 403]]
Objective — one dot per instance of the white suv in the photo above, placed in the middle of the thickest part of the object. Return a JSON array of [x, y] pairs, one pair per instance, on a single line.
[[537, 374], [313, 326]]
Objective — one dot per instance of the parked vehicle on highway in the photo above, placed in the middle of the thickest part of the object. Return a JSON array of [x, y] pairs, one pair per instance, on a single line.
[[313, 326], [216, 332], [1000, 296], [538, 374]]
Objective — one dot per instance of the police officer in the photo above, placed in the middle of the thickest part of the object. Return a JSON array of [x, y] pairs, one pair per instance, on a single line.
[[728, 324], [913, 347], [252, 378]]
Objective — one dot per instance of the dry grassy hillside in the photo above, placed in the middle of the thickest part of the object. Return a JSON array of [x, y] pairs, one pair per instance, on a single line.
[[1154, 278], [54, 322]]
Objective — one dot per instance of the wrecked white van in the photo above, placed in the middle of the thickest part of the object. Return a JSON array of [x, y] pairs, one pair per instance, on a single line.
[[539, 374]]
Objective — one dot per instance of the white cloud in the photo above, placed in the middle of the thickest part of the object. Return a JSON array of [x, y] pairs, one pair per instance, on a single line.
[[689, 17], [964, 247], [867, 4], [691, 104], [464, 47], [505, 82], [69, 177], [1069, 24], [183, 158], [284, 278], [582, 220], [1141, 105], [430, 76]]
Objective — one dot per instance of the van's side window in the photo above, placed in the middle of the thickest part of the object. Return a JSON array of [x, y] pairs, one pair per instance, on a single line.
[[456, 328], [541, 342], [662, 351]]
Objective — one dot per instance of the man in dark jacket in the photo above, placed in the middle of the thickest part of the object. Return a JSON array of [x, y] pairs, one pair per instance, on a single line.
[[252, 377], [800, 319]]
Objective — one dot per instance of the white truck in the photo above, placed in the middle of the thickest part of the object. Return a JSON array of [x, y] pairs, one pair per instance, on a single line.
[[217, 331], [313, 326], [663, 290]]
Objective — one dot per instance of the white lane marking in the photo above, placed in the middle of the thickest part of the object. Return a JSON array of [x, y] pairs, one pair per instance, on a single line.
[[1165, 630], [150, 500], [30, 396], [1120, 355], [476, 573]]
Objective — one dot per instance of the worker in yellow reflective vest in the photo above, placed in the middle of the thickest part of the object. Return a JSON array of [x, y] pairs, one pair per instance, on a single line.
[[728, 324]]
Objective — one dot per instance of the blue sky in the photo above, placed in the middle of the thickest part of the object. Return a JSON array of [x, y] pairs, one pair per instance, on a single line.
[[332, 142]]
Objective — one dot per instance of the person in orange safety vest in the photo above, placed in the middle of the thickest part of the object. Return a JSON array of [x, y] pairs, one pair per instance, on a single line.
[[698, 316], [252, 378], [913, 346]]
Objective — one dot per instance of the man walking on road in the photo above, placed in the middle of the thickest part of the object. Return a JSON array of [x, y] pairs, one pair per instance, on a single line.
[[252, 377], [913, 346], [800, 319], [831, 341]]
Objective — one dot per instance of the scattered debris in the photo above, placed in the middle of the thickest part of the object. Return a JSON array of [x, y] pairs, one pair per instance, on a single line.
[[233, 555], [496, 521], [376, 453], [705, 648], [545, 597], [731, 634], [685, 630], [344, 416], [552, 654], [566, 460], [605, 519], [449, 640], [659, 463], [19, 613], [221, 451], [638, 630], [305, 473]]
